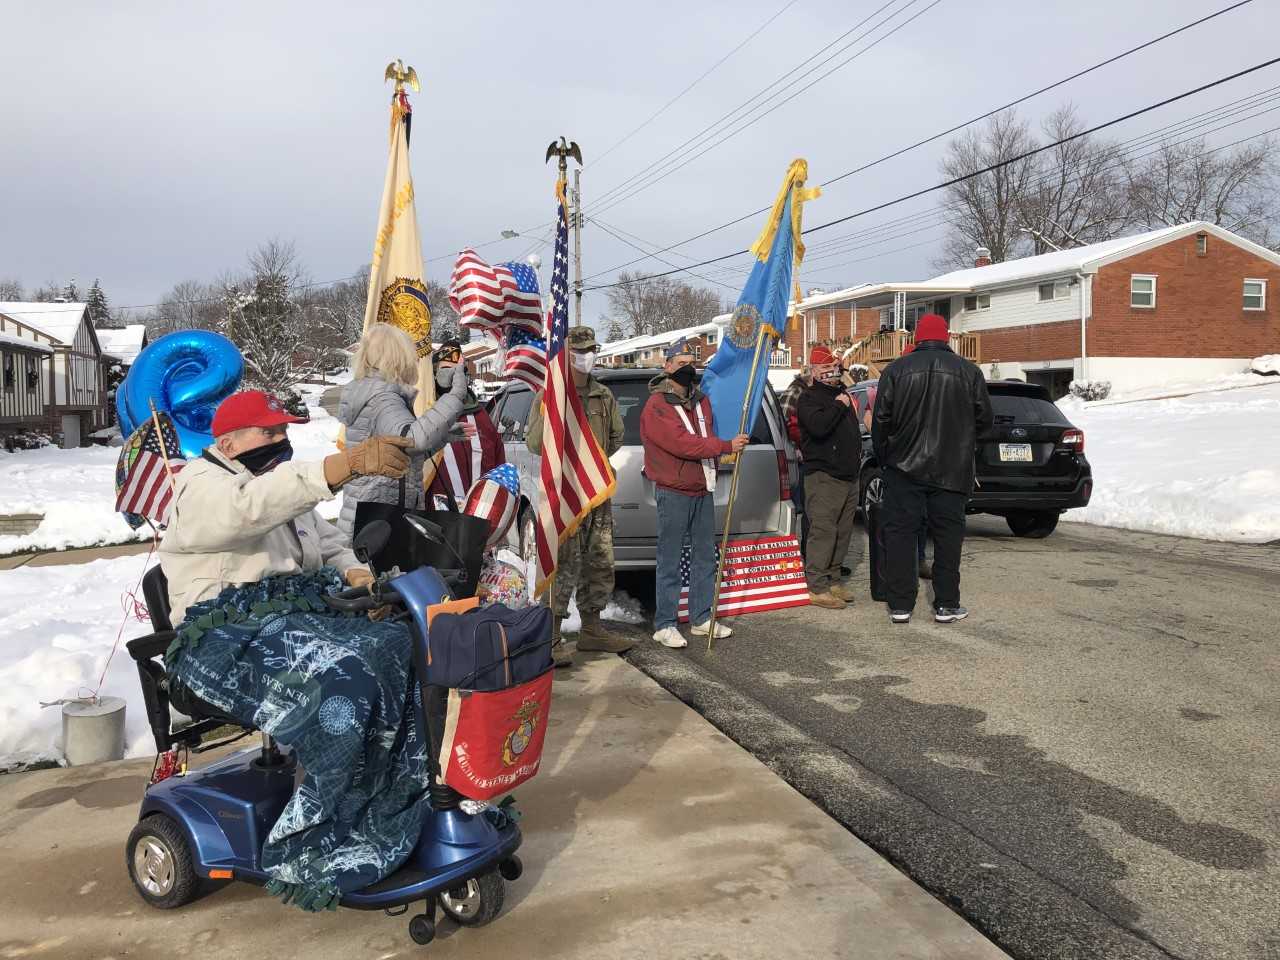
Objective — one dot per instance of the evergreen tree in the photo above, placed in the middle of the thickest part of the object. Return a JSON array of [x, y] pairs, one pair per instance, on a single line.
[[71, 293], [96, 306]]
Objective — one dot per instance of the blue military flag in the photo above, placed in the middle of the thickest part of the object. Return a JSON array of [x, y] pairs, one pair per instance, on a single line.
[[761, 306]]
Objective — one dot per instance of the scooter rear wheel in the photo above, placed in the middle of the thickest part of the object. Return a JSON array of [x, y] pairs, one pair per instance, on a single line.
[[475, 902], [160, 863]]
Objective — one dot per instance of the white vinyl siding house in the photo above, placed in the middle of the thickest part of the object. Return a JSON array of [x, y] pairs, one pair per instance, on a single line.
[[1015, 306]]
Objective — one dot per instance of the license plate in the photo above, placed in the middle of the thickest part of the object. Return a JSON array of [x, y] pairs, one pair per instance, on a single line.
[[1015, 453]]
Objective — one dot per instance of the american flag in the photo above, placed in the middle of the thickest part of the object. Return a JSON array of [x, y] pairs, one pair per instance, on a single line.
[[760, 573], [489, 298], [525, 357], [576, 476], [494, 497], [143, 488]]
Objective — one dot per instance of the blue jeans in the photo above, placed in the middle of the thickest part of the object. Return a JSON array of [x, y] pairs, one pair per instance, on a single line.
[[684, 519]]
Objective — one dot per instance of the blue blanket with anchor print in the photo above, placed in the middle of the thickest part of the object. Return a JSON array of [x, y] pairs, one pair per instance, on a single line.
[[338, 689]]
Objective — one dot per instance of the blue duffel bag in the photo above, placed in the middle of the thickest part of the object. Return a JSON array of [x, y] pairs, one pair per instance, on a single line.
[[489, 648]]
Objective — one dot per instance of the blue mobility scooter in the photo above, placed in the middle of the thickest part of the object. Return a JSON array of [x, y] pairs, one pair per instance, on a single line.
[[210, 824]]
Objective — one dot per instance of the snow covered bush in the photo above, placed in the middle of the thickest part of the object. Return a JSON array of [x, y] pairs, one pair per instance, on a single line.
[[1268, 365], [1091, 389], [28, 440]]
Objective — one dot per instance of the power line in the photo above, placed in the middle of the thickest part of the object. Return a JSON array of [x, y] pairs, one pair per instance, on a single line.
[[977, 173], [605, 227], [1012, 103], [653, 173], [710, 70]]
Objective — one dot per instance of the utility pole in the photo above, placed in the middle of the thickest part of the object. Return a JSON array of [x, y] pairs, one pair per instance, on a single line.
[[577, 246]]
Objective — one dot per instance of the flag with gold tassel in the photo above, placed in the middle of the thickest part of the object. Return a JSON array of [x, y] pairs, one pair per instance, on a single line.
[[397, 289]]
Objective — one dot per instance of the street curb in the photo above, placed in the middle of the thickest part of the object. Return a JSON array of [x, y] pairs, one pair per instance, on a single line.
[[1022, 912]]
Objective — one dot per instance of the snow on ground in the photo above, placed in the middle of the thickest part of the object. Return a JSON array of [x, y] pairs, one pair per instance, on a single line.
[[58, 625], [76, 489], [1200, 465]]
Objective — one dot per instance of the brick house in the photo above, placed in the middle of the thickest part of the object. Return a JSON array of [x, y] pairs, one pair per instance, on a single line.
[[74, 389], [1184, 302]]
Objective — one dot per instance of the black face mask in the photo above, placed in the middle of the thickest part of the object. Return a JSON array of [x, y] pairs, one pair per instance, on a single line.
[[262, 459], [685, 376]]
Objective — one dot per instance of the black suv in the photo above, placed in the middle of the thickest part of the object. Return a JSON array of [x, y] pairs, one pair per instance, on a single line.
[[1030, 465]]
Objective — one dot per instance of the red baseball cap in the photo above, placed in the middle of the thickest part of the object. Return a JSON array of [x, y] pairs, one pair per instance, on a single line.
[[251, 408]]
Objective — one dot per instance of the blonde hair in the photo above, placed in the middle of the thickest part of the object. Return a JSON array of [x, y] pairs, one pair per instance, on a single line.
[[388, 351]]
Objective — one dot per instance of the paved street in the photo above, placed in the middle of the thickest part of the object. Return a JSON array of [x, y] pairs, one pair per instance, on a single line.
[[1087, 767]]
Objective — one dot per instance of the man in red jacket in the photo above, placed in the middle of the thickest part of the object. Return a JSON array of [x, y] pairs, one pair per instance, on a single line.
[[677, 429]]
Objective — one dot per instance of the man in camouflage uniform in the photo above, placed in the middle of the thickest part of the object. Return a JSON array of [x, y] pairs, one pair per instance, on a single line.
[[585, 560]]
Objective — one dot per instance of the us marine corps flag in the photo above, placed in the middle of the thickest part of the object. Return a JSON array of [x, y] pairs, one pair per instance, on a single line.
[[397, 292]]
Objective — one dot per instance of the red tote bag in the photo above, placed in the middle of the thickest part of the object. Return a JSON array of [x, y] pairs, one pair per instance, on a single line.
[[493, 741]]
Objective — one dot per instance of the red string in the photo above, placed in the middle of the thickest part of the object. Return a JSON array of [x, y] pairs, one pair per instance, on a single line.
[[134, 608]]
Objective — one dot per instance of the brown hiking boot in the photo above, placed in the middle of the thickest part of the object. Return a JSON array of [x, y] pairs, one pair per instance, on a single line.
[[828, 600], [561, 656], [842, 592], [594, 637]]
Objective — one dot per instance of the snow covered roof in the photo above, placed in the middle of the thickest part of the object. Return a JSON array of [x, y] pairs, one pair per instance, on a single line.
[[124, 345], [631, 344], [1089, 258], [58, 320], [11, 341]]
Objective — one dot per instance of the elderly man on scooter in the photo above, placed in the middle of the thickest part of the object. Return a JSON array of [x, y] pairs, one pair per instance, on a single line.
[[250, 564]]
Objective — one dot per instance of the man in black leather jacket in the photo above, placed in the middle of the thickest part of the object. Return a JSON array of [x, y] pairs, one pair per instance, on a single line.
[[930, 408]]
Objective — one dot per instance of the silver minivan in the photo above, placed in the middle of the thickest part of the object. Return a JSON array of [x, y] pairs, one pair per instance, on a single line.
[[763, 506]]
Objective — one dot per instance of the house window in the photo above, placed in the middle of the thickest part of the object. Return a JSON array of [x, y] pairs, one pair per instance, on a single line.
[[1255, 294], [1202, 244], [8, 373], [1055, 290], [981, 301], [33, 374], [1142, 291], [697, 353], [711, 339]]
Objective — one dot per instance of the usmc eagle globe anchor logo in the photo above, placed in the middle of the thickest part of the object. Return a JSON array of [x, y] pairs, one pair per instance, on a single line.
[[518, 740]]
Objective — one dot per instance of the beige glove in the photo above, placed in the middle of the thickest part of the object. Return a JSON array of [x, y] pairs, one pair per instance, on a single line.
[[358, 577], [375, 457]]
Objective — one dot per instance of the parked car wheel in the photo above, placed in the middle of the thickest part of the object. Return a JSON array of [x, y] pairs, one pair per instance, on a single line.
[[1033, 524], [870, 479]]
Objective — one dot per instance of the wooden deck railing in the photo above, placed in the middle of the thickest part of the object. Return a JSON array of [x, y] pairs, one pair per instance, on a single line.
[[877, 349]]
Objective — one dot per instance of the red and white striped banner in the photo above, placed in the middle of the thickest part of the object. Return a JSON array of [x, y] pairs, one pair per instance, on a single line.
[[760, 574]]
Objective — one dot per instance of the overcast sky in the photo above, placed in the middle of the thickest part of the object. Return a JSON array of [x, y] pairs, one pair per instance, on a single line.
[[151, 143]]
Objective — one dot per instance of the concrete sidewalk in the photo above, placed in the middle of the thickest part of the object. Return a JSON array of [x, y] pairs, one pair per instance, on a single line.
[[56, 558], [648, 834]]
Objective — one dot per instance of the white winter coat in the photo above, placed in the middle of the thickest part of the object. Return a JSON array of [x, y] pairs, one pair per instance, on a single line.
[[228, 527]]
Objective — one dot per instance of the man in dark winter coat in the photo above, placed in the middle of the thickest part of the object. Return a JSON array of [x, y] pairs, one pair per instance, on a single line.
[[930, 408], [831, 444]]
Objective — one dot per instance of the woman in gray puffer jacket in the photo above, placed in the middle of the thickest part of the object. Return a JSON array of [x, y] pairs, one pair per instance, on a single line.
[[379, 402]]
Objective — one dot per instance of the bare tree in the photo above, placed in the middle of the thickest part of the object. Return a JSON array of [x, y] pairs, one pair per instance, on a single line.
[[1078, 193], [11, 290], [444, 319], [986, 207], [651, 305], [190, 305], [1234, 189]]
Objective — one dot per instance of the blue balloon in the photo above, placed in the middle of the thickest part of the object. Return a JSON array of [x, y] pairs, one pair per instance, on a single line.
[[186, 375]]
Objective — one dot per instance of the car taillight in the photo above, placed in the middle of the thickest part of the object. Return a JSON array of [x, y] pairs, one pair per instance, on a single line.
[[1073, 440], [784, 484]]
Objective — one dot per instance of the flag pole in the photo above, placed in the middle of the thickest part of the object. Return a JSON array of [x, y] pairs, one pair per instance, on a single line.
[[733, 484], [164, 451]]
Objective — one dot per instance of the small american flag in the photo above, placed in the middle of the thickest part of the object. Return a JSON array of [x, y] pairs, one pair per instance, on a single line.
[[525, 357], [494, 497], [143, 488], [490, 298], [761, 573], [576, 476]]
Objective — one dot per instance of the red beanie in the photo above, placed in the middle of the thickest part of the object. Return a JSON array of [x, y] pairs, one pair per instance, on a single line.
[[251, 408], [820, 355], [931, 327]]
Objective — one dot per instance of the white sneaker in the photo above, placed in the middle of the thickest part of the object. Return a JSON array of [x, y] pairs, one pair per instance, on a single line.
[[671, 637], [721, 630]]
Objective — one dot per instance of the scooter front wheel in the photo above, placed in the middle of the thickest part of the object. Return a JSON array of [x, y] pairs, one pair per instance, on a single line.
[[160, 863], [475, 902]]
